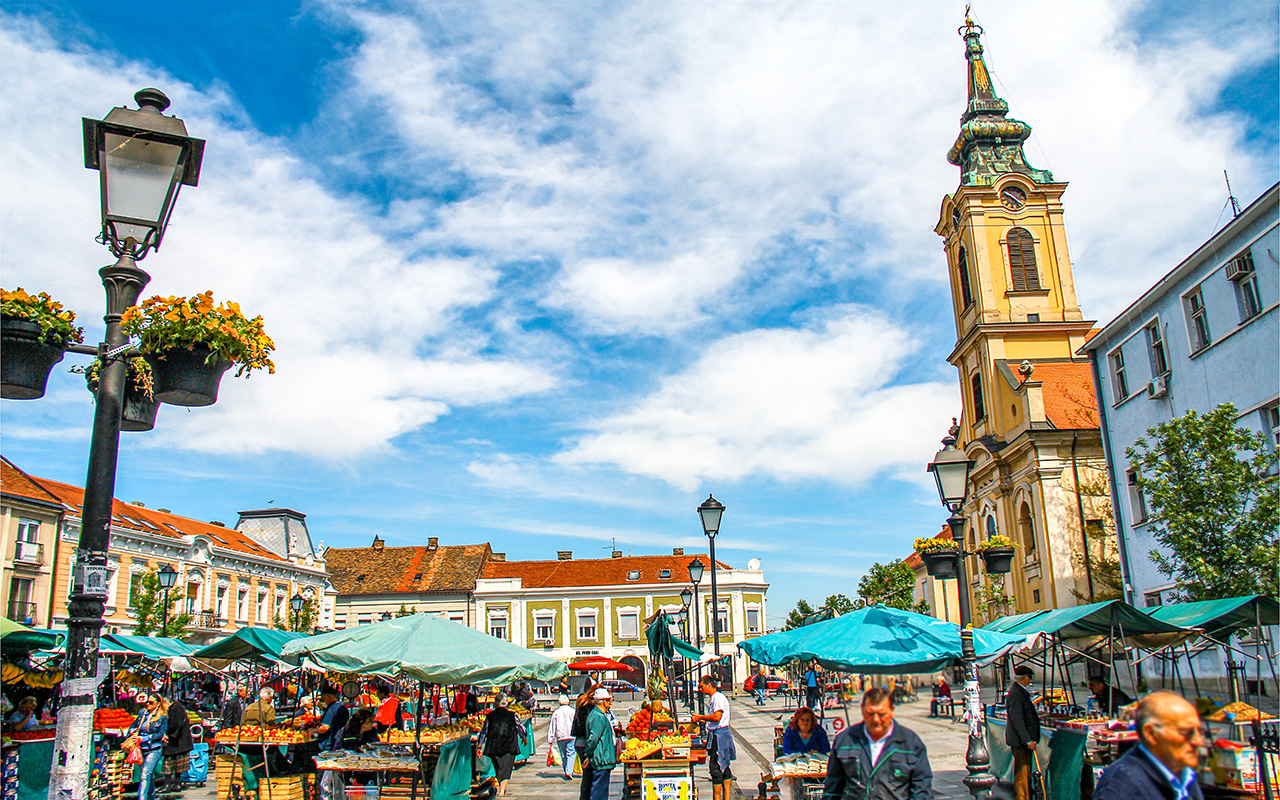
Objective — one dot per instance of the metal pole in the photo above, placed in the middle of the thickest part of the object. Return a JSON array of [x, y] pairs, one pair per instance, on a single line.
[[86, 599], [697, 628], [164, 621], [976, 758], [715, 603]]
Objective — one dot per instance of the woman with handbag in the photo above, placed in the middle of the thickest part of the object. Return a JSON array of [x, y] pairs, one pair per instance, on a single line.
[[177, 741], [145, 744], [500, 741]]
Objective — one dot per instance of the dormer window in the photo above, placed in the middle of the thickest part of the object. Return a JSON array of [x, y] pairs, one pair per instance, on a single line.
[[664, 574], [360, 578], [633, 575]]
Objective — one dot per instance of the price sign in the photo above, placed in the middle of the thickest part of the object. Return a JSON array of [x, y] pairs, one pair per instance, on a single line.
[[667, 788]]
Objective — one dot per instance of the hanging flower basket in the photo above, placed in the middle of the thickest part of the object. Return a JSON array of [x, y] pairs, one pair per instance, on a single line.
[[140, 404], [190, 343], [34, 330], [997, 552], [940, 564]]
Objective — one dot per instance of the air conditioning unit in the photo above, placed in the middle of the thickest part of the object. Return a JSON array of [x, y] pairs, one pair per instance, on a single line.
[[1240, 267], [1159, 386]]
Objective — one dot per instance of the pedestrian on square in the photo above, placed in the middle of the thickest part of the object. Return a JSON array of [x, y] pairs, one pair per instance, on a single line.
[[600, 749], [805, 735], [233, 708], [878, 759], [1163, 765], [941, 697], [720, 748], [147, 734], [501, 741], [560, 735], [812, 689], [1022, 732], [582, 709], [177, 741]]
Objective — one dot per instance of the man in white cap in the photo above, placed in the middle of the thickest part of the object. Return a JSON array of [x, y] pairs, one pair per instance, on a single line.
[[599, 755], [560, 735]]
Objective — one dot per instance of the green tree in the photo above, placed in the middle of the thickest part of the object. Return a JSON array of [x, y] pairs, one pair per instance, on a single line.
[[795, 618], [147, 601], [305, 619], [838, 604], [892, 584], [1212, 491], [406, 612]]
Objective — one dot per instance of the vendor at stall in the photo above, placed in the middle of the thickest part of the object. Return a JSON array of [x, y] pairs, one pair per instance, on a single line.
[[233, 708], [804, 734], [263, 712], [329, 729], [24, 717], [1108, 698]]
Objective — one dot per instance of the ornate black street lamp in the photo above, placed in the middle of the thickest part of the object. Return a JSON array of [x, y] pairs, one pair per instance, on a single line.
[[167, 576], [296, 603], [950, 468], [710, 511], [143, 158], [695, 577]]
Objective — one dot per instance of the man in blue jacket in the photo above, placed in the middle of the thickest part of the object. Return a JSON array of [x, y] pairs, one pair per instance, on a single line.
[[877, 759], [1163, 765]]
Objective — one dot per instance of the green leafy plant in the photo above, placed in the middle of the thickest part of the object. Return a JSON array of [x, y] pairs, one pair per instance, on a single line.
[[892, 584], [137, 378], [999, 540], [146, 599], [184, 323], [56, 323], [934, 544]]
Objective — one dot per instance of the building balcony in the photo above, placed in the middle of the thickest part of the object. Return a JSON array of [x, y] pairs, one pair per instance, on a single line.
[[23, 612], [207, 620], [28, 554]]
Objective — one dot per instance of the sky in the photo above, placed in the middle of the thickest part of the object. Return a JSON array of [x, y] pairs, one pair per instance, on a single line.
[[546, 274]]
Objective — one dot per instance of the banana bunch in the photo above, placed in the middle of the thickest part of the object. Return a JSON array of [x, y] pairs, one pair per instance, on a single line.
[[43, 680], [11, 673]]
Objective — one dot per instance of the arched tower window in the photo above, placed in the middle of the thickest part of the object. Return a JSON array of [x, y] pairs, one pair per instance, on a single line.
[[979, 402], [1022, 260], [1026, 529], [992, 530], [966, 291]]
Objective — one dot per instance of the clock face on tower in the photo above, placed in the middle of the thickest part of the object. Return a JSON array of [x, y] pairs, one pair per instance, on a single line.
[[1013, 198]]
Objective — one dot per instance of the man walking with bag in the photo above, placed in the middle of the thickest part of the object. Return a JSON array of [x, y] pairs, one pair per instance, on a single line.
[[560, 736]]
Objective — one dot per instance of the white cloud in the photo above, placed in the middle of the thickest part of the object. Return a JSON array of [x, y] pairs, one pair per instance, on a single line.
[[817, 402]]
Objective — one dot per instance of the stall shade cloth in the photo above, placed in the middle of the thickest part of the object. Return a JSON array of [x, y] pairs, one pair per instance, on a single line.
[[427, 648], [664, 644], [878, 640], [1220, 617], [18, 639], [1111, 618], [250, 644], [598, 662], [157, 647]]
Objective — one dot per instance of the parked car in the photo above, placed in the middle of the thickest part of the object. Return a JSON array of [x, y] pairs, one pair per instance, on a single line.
[[772, 682], [616, 686]]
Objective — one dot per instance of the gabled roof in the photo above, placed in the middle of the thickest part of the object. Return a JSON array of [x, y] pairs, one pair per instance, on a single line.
[[155, 522], [598, 571], [1069, 401], [16, 483], [394, 570]]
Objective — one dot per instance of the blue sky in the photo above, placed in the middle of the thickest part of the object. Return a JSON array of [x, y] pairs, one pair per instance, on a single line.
[[545, 274]]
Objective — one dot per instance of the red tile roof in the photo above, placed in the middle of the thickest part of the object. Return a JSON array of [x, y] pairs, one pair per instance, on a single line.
[[597, 571], [393, 570], [17, 483], [1069, 401], [155, 522]]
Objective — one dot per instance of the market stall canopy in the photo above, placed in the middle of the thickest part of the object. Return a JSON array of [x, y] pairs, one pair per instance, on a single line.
[[155, 647], [18, 640], [427, 648], [879, 640], [598, 663], [1220, 618], [1113, 618], [250, 644], [665, 644]]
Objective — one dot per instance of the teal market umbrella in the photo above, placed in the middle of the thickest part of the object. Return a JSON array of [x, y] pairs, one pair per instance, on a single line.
[[879, 640], [426, 648], [18, 639], [663, 643], [250, 644]]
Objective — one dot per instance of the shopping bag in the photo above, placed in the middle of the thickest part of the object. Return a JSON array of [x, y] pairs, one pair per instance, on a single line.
[[134, 756], [577, 765], [553, 756]]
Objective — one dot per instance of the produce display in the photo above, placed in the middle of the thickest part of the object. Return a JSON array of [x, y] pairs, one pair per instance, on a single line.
[[105, 718], [12, 673], [435, 735], [637, 749], [254, 734], [341, 760], [1239, 712], [643, 720], [39, 734], [799, 764]]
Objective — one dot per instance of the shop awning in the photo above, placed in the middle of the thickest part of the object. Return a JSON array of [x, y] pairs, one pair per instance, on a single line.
[[1113, 618], [156, 647], [426, 648], [878, 640], [1219, 618], [18, 639], [250, 644], [1006, 623]]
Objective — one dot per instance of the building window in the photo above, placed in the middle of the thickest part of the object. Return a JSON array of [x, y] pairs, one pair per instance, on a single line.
[[587, 624], [21, 607], [364, 619], [1137, 501], [1035, 596], [1033, 318], [1198, 321], [135, 586], [753, 620], [628, 624], [262, 606], [966, 290], [1022, 261], [1271, 423], [1155, 347], [1248, 297], [722, 624], [633, 575], [1027, 531], [979, 404], [498, 625], [1152, 599], [544, 627], [221, 608], [242, 604], [1119, 383], [339, 620]]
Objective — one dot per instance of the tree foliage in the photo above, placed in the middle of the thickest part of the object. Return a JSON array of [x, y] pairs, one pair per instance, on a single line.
[[147, 601], [803, 613], [892, 584], [305, 619], [1211, 488]]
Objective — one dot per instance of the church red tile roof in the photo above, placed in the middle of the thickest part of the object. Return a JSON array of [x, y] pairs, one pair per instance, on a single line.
[[599, 571], [392, 570], [1069, 401]]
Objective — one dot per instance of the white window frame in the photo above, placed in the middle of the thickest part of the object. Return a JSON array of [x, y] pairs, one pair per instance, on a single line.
[[1199, 334], [498, 619], [30, 527], [632, 612], [242, 602], [1156, 349], [581, 616], [261, 607], [748, 610], [726, 617], [1137, 500], [1249, 297], [1119, 381], [544, 618]]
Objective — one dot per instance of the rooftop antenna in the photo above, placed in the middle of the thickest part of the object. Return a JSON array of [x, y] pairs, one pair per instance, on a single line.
[[1235, 204]]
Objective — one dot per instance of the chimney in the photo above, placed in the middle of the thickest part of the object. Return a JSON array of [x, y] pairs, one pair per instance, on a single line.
[[677, 551], [218, 524], [378, 543], [138, 503], [164, 511], [433, 543], [616, 554], [564, 555], [497, 556]]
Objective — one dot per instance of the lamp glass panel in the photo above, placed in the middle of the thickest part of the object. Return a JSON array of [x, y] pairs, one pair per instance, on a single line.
[[139, 175], [711, 519], [167, 576], [695, 571], [952, 477]]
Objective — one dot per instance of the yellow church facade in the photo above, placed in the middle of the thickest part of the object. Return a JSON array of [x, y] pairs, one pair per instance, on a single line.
[[1029, 419]]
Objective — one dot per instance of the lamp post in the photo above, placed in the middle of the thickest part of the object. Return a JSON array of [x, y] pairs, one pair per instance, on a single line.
[[695, 576], [686, 600], [710, 511], [296, 602], [143, 158], [950, 468], [167, 576]]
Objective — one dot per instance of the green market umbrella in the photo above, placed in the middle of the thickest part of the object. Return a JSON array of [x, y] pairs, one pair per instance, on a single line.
[[427, 648], [18, 640], [663, 643], [878, 640], [154, 647], [251, 644], [1219, 618]]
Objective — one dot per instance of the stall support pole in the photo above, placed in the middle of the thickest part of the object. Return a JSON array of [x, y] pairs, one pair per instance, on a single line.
[[976, 758], [1195, 682]]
